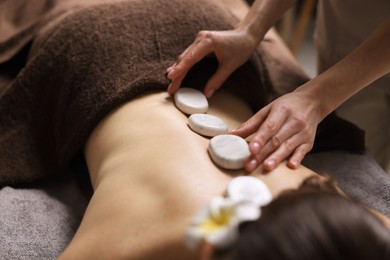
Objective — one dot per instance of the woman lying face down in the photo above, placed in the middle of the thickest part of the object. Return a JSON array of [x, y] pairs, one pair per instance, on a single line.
[[91, 78], [151, 174]]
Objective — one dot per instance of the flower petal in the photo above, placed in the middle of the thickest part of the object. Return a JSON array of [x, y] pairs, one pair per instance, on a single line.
[[193, 238], [247, 211], [249, 188], [224, 237]]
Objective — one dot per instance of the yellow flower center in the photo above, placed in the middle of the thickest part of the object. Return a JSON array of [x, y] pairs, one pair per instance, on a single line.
[[214, 223]]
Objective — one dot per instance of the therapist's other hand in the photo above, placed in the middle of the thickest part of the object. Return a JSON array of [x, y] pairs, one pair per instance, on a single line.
[[232, 48], [285, 127]]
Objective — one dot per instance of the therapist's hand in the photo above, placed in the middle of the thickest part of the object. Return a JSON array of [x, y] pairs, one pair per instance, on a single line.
[[232, 48], [285, 127]]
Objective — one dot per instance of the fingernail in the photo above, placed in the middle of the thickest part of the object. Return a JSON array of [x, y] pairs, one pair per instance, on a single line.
[[251, 165], [293, 164], [169, 69], [209, 93], [255, 147], [169, 87], [169, 75], [270, 164]]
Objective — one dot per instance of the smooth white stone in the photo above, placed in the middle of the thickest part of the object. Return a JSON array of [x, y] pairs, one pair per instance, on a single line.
[[228, 151], [191, 101], [249, 188], [207, 125]]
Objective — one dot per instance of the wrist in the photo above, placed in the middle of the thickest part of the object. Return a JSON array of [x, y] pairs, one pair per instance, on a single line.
[[319, 103], [262, 16], [250, 33], [251, 37]]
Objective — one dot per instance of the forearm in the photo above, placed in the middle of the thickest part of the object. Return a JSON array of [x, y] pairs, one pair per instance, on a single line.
[[262, 16], [365, 64]]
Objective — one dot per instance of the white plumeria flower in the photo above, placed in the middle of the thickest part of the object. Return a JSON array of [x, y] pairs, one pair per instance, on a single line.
[[249, 188], [217, 223]]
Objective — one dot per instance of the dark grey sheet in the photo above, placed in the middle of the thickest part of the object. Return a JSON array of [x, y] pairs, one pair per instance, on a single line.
[[358, 175], [38, 221]]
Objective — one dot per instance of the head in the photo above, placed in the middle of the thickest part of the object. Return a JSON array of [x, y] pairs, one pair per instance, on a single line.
[[313, 222]]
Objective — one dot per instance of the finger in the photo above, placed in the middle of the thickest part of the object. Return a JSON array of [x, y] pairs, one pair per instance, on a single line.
[[252, 124], [269, 148], [283, 141], [255, 160], [216, 81], [189, 57], [295, 133], [285, 150], [270, 164], [175, 85], [189, 48], [185, 52], [251, 164], [267, 130], [178, 73], [169, 69], [298, 155], [288, 130], [294, 145], [194, 55]]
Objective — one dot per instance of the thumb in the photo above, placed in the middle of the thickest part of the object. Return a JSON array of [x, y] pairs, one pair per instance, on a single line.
[[216, 80]]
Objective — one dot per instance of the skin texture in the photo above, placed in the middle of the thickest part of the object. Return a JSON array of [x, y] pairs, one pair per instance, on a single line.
[[286, 127], [150, 175]]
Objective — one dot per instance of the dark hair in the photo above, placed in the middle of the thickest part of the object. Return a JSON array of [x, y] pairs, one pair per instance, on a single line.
[[313, 222]]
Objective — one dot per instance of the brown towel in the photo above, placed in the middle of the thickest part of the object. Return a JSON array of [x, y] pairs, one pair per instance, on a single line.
[[19, 22], [92, 58]]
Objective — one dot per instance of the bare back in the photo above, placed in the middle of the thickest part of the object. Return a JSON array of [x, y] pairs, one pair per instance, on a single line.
[[150, 174]]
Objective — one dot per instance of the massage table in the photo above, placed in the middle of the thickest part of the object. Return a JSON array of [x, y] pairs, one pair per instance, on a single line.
[[40, 213]]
